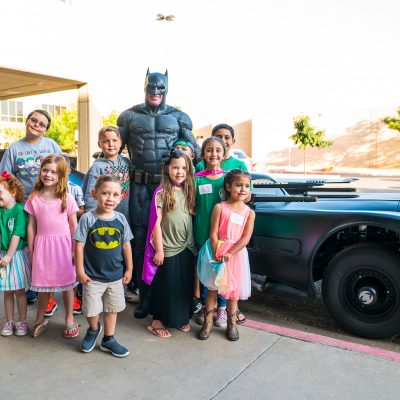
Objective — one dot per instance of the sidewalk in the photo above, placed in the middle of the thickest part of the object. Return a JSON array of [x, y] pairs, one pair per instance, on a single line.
[[261, 365]]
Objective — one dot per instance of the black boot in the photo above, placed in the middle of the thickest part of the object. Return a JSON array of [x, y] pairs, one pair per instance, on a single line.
[[142, 309]]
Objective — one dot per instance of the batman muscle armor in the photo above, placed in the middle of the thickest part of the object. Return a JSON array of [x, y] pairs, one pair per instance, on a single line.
[[149, 133]]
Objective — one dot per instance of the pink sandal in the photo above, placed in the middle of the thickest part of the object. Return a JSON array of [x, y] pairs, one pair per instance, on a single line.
[[184, 328], [71, 331]]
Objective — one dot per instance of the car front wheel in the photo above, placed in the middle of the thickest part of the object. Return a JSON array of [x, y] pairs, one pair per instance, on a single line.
[[361, 290]]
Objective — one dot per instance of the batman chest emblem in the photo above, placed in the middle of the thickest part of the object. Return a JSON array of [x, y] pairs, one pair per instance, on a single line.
[[105, 238]]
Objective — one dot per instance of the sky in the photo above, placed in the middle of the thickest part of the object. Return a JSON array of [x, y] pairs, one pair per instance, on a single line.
[[227, 60]]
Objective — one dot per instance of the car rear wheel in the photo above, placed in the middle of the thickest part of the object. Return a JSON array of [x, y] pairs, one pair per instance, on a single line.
[[361, 290]]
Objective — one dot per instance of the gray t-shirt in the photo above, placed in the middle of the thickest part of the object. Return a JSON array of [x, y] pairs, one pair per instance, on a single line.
[[77, 193], [23, 160], [120, 168], [103, 238]]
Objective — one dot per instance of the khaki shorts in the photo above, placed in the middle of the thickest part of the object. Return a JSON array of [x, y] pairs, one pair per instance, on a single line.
[[102, 296]]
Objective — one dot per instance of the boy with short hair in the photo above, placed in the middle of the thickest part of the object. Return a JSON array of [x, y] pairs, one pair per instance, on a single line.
[[186, 147], [24, 157], [102, 243], [227, 134]]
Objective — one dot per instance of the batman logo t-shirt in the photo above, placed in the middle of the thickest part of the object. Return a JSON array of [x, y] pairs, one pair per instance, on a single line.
[[103, 238]]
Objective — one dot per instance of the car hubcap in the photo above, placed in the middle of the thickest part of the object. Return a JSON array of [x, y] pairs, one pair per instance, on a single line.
[[369, 294]]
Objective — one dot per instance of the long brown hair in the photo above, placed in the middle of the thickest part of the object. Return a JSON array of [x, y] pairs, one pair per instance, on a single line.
[[168, 192], [61, 185]]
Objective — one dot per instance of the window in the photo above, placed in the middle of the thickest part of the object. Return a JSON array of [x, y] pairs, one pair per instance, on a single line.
[[52, 109], [11, 111]]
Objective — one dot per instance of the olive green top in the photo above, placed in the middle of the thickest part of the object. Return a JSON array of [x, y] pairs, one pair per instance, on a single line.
[[176, 226]]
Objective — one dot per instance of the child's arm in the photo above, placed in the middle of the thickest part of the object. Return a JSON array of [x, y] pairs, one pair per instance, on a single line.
[[157, 238], [127, 254], [80, 212], [30, 233], [11, 250], [88, 186], [81, 276], [73, 223], [214, 226], [244, 240]]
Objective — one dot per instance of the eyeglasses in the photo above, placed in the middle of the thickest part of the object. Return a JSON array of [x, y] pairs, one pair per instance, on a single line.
[[36, 121]]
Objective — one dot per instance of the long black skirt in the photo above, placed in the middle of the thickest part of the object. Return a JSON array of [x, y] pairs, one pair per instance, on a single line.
[[173, 290]]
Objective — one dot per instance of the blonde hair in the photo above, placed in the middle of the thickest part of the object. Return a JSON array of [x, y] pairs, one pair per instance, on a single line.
[[168, 192], [62, 183], [108, 128]]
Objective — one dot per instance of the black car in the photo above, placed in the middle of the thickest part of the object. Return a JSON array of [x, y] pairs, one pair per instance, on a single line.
[[307, 231]]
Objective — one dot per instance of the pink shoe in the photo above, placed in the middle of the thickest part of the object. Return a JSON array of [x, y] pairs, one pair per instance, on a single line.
[[221, 318], [8, 328], [21, 328]]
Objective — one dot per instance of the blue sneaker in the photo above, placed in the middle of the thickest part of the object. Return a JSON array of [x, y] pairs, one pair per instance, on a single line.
[[31, 296], [89, 341], [114, 348]]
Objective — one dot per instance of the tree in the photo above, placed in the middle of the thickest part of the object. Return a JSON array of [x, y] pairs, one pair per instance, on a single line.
[[111, 119], [393, 122], [307, 136], [11, 135], [63, 128]]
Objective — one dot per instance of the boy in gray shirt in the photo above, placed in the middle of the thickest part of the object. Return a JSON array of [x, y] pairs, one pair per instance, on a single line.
[[102, 244], [24, 157]]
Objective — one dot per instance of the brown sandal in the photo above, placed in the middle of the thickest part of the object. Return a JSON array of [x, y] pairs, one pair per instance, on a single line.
[[38, 329], [157, 332]]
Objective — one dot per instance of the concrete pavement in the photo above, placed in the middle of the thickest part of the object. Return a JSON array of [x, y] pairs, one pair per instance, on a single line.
[[261, 365]]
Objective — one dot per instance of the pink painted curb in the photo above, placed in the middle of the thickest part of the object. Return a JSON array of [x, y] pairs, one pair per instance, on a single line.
[[325, 340]]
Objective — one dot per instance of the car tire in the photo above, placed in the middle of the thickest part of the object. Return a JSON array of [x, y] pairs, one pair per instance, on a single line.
[[361, 290]]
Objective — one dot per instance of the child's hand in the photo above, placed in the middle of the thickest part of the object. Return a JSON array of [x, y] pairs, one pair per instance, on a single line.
[[127, 277], [226, 257], [158, 258], [83, 278], [5, 260]]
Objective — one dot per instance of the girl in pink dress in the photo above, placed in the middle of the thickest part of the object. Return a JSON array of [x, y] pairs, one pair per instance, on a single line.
[[52, 222], [223, 265]]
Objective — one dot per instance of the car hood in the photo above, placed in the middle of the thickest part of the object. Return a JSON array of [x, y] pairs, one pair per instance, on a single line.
[[378, 202]]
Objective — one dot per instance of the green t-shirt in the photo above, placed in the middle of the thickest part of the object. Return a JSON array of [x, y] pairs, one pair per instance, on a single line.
[[226, 165], [176, 226], [13, 222], [208, 194]]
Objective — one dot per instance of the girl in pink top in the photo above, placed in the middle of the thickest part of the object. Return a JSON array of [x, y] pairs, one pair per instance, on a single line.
[[223, 265], [52, 222]]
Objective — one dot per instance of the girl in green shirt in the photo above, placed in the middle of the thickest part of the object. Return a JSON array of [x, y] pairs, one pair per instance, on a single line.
[[14, 260], [208, 185]]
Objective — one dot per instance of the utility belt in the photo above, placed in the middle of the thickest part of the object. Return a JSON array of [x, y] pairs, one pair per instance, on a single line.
[[140, 176]]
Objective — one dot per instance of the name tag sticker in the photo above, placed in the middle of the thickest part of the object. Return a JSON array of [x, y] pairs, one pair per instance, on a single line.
[[205, 189], [237, 219]]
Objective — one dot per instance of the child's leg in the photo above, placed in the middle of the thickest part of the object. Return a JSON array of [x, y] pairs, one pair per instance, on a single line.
[[232, 306], [205, 331], [196, 289], [21, 304], [43, 299], [232, 332], [68, 298], [9, 304], [211, 299], [110, 321], [93, 322]]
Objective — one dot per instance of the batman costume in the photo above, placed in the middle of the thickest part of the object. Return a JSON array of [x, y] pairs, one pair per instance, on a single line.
[[149, 131]]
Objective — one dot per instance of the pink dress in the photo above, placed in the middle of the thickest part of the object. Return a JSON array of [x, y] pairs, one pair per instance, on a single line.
[[236, 282], [52, 267]]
